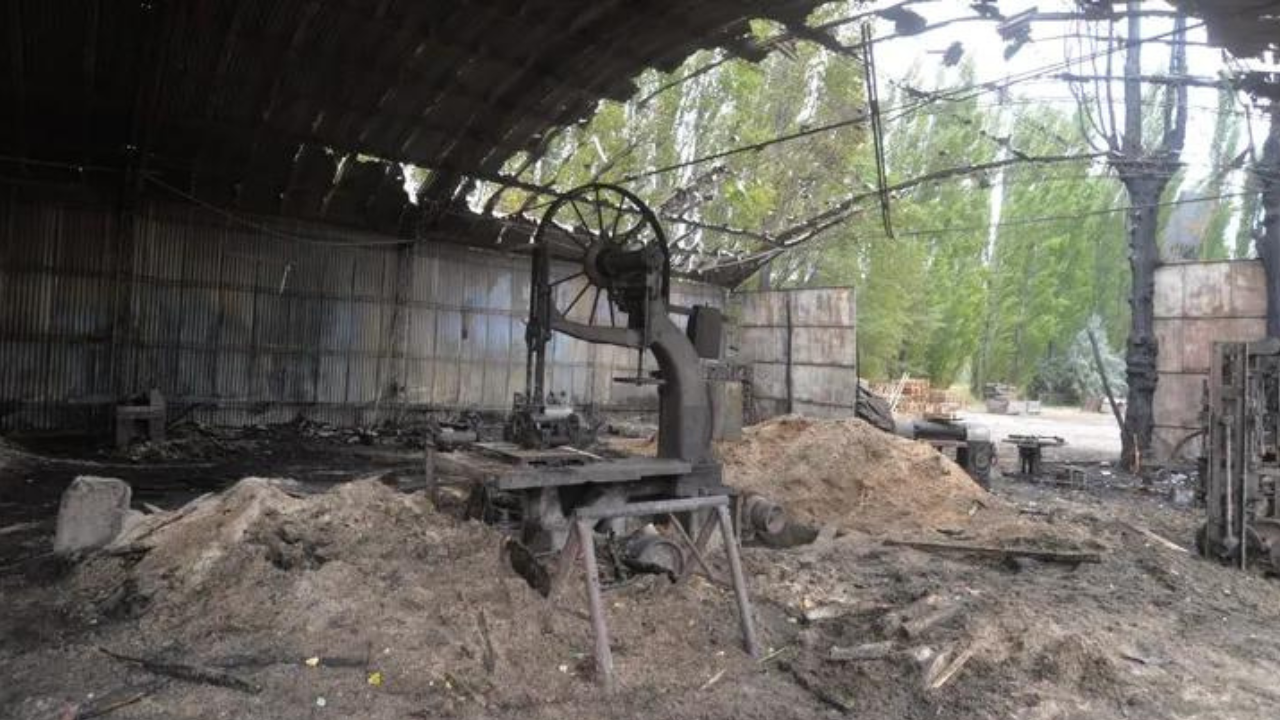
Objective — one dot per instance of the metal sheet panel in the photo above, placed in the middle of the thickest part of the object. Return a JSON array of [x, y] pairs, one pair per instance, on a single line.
[[215, 312]]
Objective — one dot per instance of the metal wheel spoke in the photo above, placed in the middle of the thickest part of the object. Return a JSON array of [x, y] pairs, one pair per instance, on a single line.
[[586, 227], [576, 298], [595, 305], [567, 278], [617, 219], [599, 214], [612, 322]]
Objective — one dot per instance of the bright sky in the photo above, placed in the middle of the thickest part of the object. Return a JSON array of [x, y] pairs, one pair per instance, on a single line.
[[984, 48]]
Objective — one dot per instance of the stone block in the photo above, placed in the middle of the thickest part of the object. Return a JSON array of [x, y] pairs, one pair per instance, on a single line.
[[91, 514]]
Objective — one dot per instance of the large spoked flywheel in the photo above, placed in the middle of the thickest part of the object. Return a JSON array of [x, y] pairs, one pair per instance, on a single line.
[[586, 248]]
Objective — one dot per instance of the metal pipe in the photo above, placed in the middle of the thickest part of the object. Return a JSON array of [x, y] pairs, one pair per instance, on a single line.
[[739, 582], [604, 656], [655, 507]]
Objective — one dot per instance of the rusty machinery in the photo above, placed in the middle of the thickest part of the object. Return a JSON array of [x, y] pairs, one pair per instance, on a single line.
[[601, 273], [1240, 461]]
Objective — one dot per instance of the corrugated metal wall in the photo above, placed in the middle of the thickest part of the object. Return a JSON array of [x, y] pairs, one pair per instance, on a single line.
[[252, 327], [803, 348]]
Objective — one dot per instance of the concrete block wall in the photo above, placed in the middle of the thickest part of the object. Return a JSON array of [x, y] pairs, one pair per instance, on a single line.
[[802, 345], [1196, 305]]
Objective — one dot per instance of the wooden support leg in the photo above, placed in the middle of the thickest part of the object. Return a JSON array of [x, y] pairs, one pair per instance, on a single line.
[[739, 582], [604, 656]]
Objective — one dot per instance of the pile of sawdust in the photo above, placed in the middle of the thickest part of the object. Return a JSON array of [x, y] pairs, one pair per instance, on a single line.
[[853, 475], [263, 575]]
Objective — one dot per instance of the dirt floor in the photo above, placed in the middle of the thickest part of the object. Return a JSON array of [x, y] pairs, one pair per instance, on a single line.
[[343, 593]]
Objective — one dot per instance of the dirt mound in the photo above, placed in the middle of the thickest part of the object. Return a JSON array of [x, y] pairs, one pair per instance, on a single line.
[[367, 579], [851, 474]]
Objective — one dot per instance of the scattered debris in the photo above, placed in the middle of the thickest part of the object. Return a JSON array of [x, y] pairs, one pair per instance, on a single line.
[[187, 673], [1068, 557]]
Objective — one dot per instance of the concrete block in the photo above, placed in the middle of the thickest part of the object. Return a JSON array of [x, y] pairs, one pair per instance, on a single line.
[[825, 385], [1247, 289], [763, 309], [1167, 300], [824, 346], [823, 307], [91, 514], [726, 400], [1206, 292], [1177, 400], [1199, 335], [1165, 438], [762, 344], [1169, 336], [769, 381]]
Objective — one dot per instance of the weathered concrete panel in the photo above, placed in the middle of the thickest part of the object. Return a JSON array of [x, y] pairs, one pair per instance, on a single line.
[[769, 380], [1206, 292], [1178, 397], [1165, 439], [1197, 305], [832, 386], [824, 346], [762, 309], [1199, 335], [823, 307], [1248, 289], [1167, 299], [1169, 337], [810, 333], [762, 344]]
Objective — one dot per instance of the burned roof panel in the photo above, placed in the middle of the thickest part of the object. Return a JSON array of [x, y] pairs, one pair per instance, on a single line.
[[251, 106], [353, 76]]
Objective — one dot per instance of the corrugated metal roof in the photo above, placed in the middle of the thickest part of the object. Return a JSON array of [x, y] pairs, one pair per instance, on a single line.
[[256, 105]]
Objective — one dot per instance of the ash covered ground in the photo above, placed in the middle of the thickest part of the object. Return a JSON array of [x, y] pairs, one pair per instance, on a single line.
[[329, 589]]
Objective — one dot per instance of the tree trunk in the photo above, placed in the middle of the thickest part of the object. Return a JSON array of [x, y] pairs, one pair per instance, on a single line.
[[1144, 256], [1267, 237]]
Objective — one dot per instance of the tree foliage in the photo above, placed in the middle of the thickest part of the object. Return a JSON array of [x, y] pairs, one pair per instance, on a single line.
[[989, 277]]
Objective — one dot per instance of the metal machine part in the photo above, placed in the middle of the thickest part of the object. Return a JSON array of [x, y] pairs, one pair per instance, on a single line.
[[1031, 451], [971, 444], [601, 273], [547, 423], [600, 242], [616, 251], [650, 552], [1241, 454], [763, 516]]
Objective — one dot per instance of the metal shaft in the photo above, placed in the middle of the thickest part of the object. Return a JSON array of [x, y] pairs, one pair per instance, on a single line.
[[739, 582], [604, 656]]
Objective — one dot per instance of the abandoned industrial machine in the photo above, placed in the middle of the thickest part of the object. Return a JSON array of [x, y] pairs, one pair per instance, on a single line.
[[601, 273], [1240, 462]]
